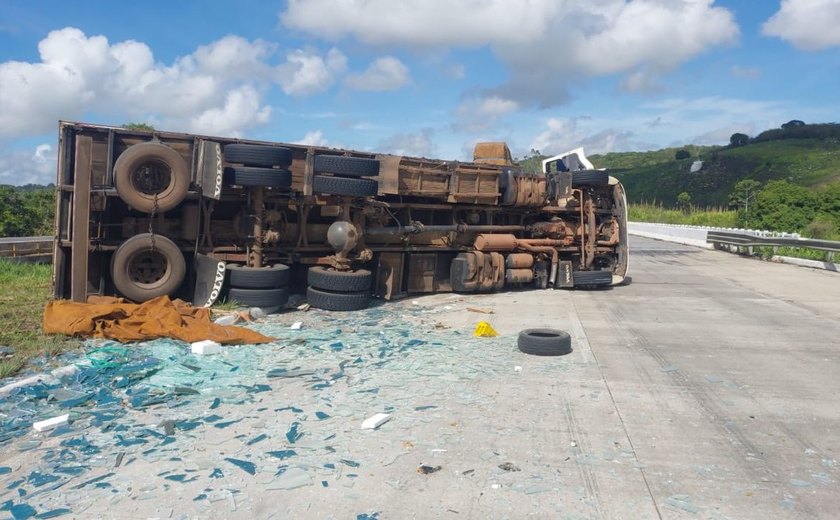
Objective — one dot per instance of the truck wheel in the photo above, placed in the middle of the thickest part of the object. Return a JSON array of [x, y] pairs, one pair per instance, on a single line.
[[151, 177], [344, 186], [258, 277], [321, 277], [267, 177], [141, 271], [334, 301], [263, 298], [544, 342], [590, 178], [592, 278], [258, 155], [346, 166]]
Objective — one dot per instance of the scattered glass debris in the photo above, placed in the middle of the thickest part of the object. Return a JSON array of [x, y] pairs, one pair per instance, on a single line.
[[244, 465]]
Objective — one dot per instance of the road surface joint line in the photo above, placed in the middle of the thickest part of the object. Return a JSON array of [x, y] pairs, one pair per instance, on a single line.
[[580, 335]]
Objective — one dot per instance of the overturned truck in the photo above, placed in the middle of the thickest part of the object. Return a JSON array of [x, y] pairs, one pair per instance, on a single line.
[[145, 214]]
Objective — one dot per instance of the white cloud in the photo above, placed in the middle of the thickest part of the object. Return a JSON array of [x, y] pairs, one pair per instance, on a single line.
[[809, 25], [18, 167], [386, 73], [478, 114], [242, 109], [722, 134], [313, 138], [562, 135], [431, 23], [80, 76], [641, 81], [306, 72], [408, 144], [546, 45], [234, 56]]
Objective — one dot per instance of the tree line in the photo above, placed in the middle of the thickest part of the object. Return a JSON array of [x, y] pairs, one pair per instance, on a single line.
[[26, 210], [793, 129]]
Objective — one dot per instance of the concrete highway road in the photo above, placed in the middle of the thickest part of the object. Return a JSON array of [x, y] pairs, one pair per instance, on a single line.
[[706, 388]]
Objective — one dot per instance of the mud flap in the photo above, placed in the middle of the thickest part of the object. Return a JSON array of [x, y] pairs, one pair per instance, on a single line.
[[564, 275], [209, 277], [210, 169]]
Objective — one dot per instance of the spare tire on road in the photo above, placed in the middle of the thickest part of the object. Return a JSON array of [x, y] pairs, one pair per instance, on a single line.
[[544, 342]]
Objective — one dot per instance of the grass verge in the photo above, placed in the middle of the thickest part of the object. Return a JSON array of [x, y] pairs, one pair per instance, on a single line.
[[24, 291], [660, 215]]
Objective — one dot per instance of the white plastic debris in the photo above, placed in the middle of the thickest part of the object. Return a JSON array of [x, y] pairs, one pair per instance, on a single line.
[[49, 424], [296, 325], [374, 422], [256, 313], [229, 319], [304, 307], [517, 368], [206, 347]]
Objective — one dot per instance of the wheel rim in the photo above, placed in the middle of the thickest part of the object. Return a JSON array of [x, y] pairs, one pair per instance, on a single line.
[[148, 269], [152, 178]]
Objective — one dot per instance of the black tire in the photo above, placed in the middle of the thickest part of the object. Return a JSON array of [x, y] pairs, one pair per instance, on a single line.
[[544, 342], [265, 298], [590, 178], [592, 278], [344, 186], [333, 301], [151, 177], [258, 155], [267, 177], [141, 272], [270, 277], [321, 277], [346, 166]]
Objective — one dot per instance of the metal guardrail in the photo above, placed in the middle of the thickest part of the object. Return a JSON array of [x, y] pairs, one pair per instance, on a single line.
[[750, 240], [31, 248]]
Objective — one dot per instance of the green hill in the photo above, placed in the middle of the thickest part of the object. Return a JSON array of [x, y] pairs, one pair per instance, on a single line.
[[657, 176]]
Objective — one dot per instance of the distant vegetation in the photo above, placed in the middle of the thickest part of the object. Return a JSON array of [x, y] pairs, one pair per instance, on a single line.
[[807, 155], [26, 210], [783, 179]]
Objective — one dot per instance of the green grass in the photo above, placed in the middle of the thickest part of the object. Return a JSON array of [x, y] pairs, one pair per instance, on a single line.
[[223, 304], [24, 291], [658, 214]]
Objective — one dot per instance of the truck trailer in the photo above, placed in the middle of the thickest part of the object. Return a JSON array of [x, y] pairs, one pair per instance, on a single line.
[[143, 214]]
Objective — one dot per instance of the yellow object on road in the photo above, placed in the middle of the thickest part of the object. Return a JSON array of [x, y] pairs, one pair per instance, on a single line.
[[484, 330]]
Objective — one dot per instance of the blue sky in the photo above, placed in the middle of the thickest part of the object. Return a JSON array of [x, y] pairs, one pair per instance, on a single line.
[[416, 77]]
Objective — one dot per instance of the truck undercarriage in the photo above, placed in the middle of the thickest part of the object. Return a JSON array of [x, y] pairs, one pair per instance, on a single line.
[[142, 215]]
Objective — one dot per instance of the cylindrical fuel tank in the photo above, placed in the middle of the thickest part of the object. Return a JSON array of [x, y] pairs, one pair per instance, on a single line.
[[519, 261], [519, 276], [495, 242]]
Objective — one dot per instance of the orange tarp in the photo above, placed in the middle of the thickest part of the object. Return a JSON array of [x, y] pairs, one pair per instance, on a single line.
[[112, 318]]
